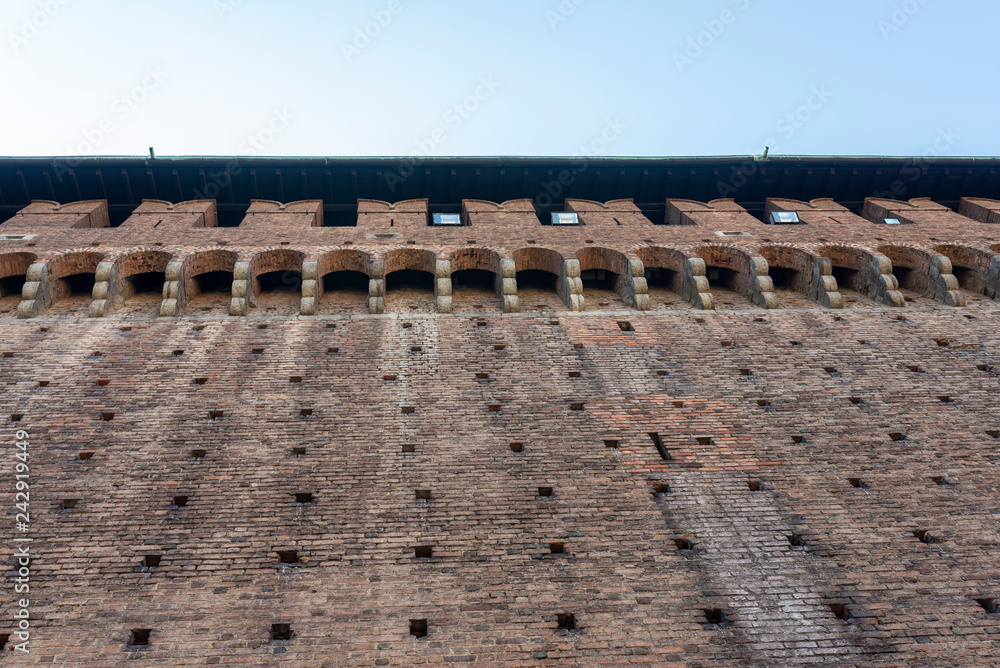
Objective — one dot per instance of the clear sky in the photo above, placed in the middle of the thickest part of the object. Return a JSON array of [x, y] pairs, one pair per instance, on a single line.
[[510, 77]]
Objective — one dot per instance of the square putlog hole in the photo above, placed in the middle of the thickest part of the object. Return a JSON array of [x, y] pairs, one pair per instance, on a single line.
[[897, 436], [333, 351], [857, 483], [557, 548], [408, 410], [180, 501], [566, 622], [796, 540], [625, 326], [281, 631], [389, 377], [716, 616], [43, 383], [107, 417], [295, 379], [288, 557], [840, 611], [199, 454], [85, 456], [200, 381], [660, 488], [683, 544], [139, 637], [409, 448], [151, 560], [494, 408], [216, 415], [755, 485], [178, 353], [306, 412], [418, 628], [925, 536], [612, 443], [303, 498], [68, 504], [990, 605], [423, 494], [545, 491], [103, 382], [423, 552], [517, 447], [298, 452]]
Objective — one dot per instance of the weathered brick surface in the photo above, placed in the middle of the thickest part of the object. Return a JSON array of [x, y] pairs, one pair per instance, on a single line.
[[804, 448]]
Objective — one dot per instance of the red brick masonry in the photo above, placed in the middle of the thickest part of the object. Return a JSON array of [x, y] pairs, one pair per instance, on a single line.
[[770, 449]]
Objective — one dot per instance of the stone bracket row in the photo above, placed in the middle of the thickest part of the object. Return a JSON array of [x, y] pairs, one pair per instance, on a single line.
[[876, 280]]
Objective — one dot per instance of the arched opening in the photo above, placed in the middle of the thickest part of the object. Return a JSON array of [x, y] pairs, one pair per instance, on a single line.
[[790, 270], [664, 289], [10, 293], [850, 284], [970, 267], [599, 289], [967, 277], [143, 293], [537, 290], [910, 285], [279, 292], [210, 292], [791, 286], [410, 291], [784, 278], [73, 293], [345, 292], [474, 290], [215, 283], [725, 286]]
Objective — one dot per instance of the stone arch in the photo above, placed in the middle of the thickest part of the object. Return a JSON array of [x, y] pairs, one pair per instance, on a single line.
[[629, 275], [119, 278], [741, 271], [204, 272], [478, 266], [276, 270], [924, 272], [790, 267], [14, 277], [538, 266], [411, 266], [673, 270], [857, 268], [335, 270], [73, 276], [975, 269]]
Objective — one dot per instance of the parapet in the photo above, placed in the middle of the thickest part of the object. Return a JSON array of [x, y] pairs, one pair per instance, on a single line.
[[74, 215]]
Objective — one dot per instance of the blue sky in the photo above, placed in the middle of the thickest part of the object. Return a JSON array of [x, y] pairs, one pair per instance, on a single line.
[[517, 77]]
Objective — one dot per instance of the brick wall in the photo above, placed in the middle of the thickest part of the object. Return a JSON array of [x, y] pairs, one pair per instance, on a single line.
[[824, 479]]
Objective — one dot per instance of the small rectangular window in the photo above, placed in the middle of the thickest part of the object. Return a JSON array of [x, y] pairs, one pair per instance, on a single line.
[[447, 220], [565, 219]]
